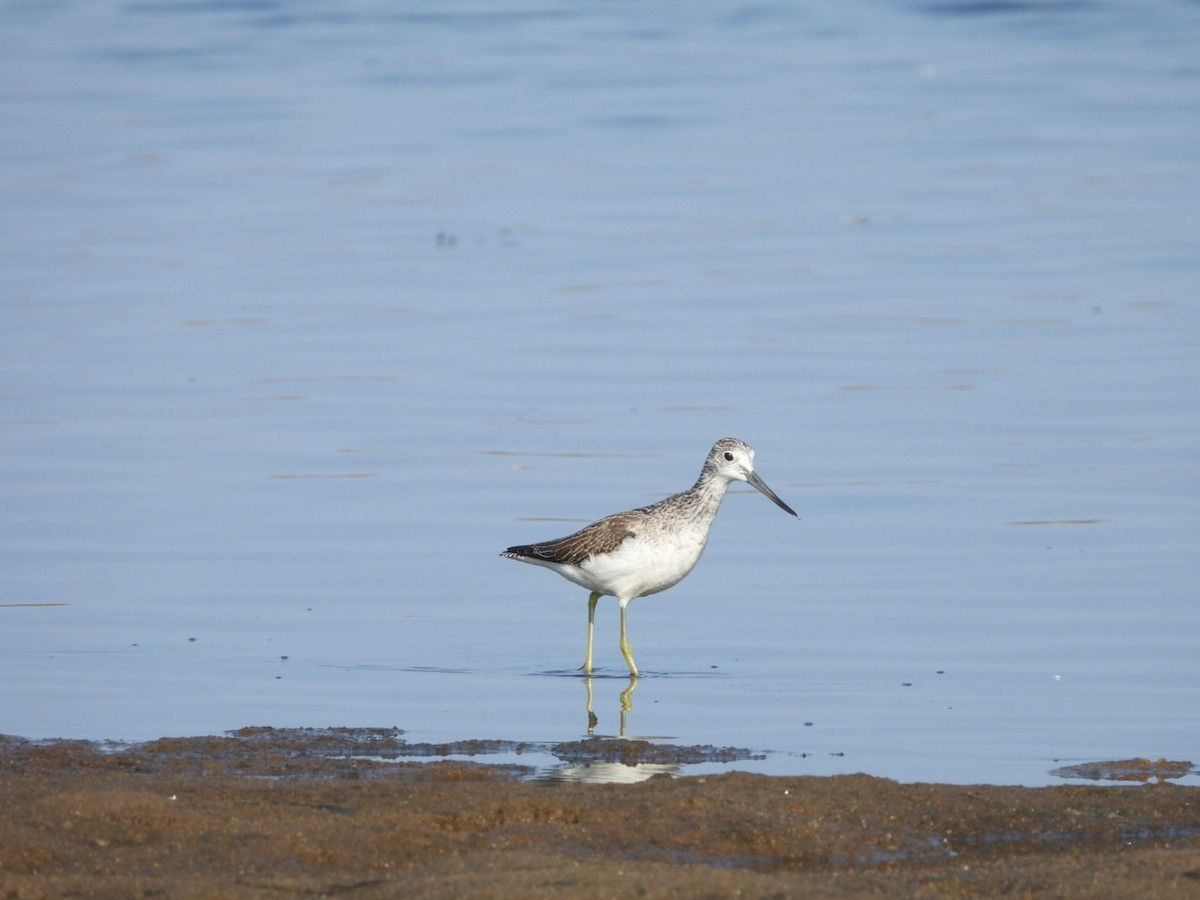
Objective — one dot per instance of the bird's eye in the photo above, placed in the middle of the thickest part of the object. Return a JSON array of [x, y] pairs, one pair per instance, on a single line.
[[728, 456]]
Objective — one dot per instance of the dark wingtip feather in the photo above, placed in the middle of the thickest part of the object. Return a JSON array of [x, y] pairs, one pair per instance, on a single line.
[[519, 551]]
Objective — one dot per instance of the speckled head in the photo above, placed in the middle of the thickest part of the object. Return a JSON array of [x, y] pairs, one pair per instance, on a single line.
[[733, 460]]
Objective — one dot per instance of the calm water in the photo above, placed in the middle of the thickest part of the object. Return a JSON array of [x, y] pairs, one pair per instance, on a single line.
[[307, 311]]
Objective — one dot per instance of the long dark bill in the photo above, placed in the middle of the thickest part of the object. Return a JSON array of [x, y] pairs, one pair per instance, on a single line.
[[762, 486]]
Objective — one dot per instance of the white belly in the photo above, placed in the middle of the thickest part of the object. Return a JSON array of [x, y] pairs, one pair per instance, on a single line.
[[647, 564]]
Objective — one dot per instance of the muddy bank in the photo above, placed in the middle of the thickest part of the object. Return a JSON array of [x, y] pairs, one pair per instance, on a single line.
[[272, 813]]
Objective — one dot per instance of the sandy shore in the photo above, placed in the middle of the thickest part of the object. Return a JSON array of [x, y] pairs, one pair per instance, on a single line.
[[265, 813]]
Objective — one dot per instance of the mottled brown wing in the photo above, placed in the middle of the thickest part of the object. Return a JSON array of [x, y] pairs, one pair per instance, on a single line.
[[575, 549]]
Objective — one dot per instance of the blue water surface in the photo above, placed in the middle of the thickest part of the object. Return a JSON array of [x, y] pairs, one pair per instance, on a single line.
[[308, 311]]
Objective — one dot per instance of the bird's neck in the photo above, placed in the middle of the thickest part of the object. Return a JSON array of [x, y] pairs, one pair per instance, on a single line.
[[706, 494]]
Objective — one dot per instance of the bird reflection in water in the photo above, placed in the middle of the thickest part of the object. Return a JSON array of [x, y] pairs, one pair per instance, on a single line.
[[608, 771], [626, 699]]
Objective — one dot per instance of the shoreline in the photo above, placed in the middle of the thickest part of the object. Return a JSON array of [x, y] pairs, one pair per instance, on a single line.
[[265, 812]]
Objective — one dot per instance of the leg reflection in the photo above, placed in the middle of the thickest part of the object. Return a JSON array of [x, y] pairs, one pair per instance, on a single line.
[[591, 716], [625, 698], [627, 701]]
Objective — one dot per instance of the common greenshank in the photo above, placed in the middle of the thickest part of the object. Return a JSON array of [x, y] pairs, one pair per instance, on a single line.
[[646, 550]]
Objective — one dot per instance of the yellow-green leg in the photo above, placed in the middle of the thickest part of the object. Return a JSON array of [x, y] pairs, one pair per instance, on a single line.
[[626, 650], [586, 668]]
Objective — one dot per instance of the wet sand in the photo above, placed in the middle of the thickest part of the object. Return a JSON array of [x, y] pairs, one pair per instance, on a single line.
[[266, 813]]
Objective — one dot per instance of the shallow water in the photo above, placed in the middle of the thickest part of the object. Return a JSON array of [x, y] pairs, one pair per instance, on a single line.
[[306, 314]]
